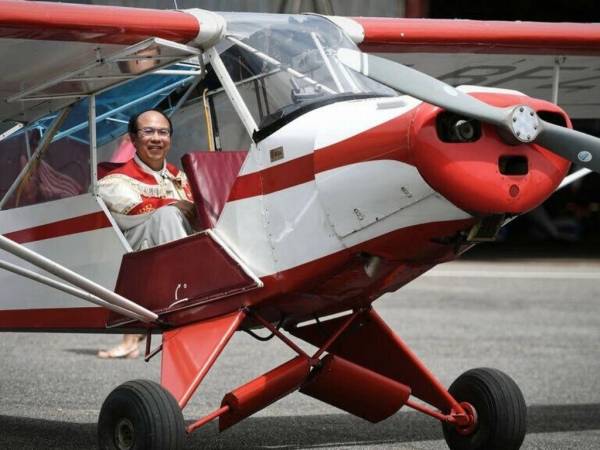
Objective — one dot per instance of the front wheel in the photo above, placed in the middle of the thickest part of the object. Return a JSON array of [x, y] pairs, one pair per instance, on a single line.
[[500, 410], [140, 415]]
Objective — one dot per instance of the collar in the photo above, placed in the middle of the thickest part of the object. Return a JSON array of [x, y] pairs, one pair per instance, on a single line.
[[162, 173]]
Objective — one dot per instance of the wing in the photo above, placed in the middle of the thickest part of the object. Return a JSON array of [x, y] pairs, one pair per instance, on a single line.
[[55, 54], [525, 56]]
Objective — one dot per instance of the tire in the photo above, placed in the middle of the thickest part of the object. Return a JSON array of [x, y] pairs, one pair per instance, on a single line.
[[500, 409], [138, 415]]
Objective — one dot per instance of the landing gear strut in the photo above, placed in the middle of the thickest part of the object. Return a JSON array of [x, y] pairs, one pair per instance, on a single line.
[[138, 415], [499, 409]]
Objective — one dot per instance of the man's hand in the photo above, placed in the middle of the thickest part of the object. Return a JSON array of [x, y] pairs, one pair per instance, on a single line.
[[188, 209]]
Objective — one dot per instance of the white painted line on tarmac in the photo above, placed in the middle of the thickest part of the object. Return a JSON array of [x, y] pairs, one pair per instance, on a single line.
[[555, 275]]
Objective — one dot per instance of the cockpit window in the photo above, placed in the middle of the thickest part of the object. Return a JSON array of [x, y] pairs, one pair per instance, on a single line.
[[281, 63]]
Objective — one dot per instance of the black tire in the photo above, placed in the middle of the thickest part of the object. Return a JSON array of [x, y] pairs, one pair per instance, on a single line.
[[138, 415], [500, 408]]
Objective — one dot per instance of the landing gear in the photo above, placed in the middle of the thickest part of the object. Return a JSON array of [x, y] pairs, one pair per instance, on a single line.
[[499, 407], [138, 415]]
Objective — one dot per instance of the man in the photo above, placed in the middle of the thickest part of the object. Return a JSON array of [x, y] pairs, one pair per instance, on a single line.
[[150, 199]]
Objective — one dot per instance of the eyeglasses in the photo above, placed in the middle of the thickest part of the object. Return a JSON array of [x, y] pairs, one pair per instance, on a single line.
[[149, 131]]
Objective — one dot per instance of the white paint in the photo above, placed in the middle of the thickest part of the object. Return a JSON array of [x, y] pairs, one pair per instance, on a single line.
[[242, 226], [95, 254], [292, 227], [343, 120], [44, 213], [351, 27], [357, 195], [212, 27], [298, 227], [450, 91], [433, 208]]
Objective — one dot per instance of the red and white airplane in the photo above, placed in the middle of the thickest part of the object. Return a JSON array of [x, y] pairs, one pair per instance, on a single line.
[[351, 175]]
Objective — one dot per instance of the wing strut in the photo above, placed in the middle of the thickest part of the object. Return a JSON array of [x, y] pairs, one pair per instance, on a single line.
[[125, 306]]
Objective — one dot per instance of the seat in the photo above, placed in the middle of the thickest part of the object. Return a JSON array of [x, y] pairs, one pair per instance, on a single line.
[[211, 176], [104, 168]]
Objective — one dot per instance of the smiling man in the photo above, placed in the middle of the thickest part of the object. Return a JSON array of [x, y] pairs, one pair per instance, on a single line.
[[150, 199]]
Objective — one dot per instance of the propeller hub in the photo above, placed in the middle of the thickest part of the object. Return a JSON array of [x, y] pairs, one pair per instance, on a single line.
[[524, 123]]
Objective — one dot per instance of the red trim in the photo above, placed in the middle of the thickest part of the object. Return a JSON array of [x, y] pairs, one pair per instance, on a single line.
[[150, 204], [329, 283], [81, 224], [64, 319], [282, 176], [472, 36], [388, 140], [87, 23]]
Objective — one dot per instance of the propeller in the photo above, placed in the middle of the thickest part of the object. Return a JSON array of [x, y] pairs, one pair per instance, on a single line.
[[518, 124]]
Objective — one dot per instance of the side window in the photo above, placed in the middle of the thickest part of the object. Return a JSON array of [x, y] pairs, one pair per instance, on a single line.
[[190, 133], [229, 132], [62, 171]]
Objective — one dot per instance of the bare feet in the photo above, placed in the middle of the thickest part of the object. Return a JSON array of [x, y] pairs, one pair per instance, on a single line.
[[128, 348]]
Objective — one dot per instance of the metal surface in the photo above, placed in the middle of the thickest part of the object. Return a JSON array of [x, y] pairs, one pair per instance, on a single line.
[[189, 352], [231, 91], [86, 284], [575, 146], [473, 36], [200, 423], [93, 145], [357, 390], [264, 390], [65, 288], [102, 63], [93, 23], [393, 358], [524, 123], [215, 236]]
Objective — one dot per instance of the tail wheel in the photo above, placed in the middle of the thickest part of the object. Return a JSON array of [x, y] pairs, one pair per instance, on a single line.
[[500, 410], [138, 415]]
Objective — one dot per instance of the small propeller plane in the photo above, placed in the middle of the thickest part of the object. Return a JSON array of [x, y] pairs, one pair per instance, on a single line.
[[346, 176]]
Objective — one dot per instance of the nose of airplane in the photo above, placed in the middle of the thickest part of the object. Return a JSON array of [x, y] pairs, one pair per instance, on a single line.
[[470, 164]]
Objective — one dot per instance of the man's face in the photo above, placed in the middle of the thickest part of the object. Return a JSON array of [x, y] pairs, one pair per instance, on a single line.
[[150, 141]]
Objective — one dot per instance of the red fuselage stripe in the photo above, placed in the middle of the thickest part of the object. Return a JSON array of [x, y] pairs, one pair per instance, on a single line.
[[276, 178], [379, 142], [81, 224]]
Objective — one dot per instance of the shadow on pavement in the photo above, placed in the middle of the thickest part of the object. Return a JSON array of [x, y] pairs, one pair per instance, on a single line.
[[291, 432]]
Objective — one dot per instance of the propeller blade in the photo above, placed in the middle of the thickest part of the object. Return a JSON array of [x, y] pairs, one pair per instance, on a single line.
[[421, 86], [519, 123], [580, 148]]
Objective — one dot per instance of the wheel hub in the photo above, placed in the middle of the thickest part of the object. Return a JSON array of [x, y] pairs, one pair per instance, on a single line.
[[471, 425], [124, 434]]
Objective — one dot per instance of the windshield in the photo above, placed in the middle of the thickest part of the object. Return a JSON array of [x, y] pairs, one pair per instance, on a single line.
[[282, 63]]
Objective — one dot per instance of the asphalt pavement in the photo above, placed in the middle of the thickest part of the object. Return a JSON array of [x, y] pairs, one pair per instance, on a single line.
[[538, 321]]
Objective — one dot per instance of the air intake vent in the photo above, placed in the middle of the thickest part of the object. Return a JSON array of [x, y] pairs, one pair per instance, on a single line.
[[513, 165]]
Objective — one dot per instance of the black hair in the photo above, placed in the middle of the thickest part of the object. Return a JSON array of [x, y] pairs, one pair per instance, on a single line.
[[132, 126]]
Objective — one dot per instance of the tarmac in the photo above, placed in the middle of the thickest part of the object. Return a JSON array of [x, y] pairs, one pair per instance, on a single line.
[[536, 319]]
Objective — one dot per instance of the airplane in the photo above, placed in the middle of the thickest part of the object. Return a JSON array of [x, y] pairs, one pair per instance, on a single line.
[[324, 176]]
